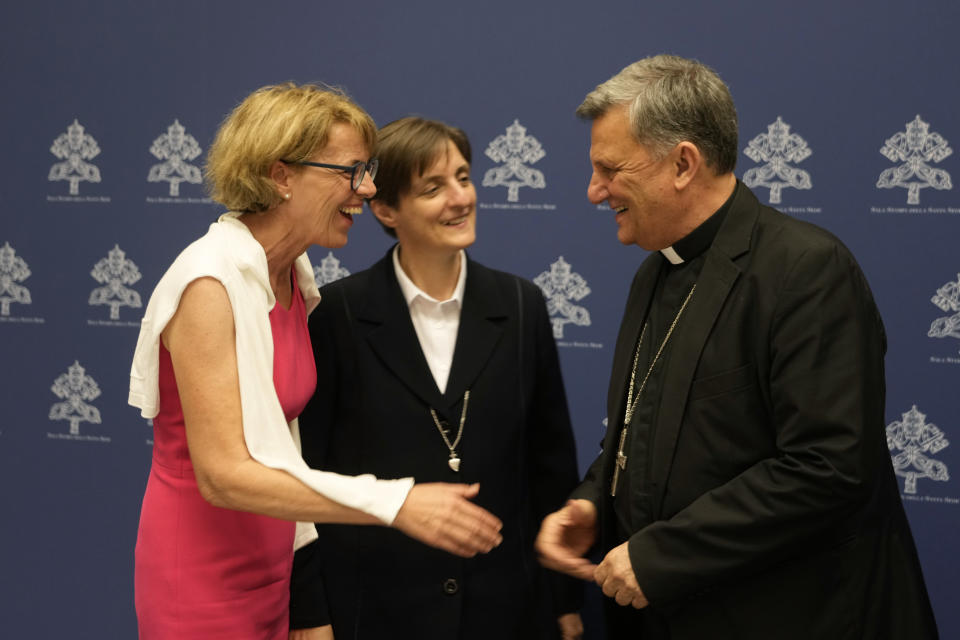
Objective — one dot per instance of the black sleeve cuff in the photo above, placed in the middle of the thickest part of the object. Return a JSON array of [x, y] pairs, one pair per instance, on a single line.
[[308, 602]]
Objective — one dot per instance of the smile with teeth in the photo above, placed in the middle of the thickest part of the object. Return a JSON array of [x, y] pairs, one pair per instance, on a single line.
[[456, 221], [619, 209], [351, 211]]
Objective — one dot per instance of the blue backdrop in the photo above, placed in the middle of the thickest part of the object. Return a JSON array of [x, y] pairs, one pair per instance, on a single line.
[[847, 116]]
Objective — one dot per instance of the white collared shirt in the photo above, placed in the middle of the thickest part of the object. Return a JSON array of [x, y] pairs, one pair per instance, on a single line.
[[436, 322]]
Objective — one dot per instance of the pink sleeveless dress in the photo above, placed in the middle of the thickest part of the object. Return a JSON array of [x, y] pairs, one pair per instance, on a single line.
[[203, 572]]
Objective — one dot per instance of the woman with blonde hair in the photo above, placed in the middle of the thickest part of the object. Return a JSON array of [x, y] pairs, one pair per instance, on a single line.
[[224, 365]]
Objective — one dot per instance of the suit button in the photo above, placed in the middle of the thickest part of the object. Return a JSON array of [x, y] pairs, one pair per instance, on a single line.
[[450, 586]]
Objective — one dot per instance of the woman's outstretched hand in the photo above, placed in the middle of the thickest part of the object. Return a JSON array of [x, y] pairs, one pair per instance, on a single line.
[[441, 515]]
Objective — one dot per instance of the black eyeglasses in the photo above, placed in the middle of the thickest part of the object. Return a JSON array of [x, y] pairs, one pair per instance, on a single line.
[[357, 171]]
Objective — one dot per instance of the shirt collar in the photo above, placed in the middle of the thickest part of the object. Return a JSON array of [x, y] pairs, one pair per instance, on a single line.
[[700, 239], [411, 291]]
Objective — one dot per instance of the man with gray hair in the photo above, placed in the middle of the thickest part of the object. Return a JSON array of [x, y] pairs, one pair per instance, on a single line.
[[745, 488]]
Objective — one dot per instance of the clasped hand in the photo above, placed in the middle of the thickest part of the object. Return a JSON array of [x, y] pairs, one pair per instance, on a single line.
[[616, 578]]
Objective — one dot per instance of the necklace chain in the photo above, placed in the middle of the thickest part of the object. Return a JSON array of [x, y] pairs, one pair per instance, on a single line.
[[632, 403], [634, 398], [454, 458]]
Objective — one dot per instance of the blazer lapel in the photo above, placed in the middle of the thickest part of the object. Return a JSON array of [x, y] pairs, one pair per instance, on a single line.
[[717, 278], [481, 328], [391, 334]]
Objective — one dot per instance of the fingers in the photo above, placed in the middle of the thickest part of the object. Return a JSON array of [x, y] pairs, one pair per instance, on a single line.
[[314, 633], [623, 598], [571, 626], [617, 580], [559, 558], [550, 532], [600, 577], [583, 571], [484, 517], [582, 512], [465, 537], [566, 536], [469, 490], [580, 568], [548, 545], [467, 532], [618, 590], [471, 528], [442, 516]]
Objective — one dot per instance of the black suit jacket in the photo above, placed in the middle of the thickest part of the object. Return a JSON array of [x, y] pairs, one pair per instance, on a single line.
[[777, 512], [370, 414]]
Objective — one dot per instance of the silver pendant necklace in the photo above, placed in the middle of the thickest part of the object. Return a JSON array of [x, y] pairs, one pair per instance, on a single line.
[[620, 464], [454, 461]]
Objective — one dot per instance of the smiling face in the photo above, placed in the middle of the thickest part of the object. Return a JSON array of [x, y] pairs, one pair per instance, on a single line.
[[635, 183], [322, 200], [437, 215]]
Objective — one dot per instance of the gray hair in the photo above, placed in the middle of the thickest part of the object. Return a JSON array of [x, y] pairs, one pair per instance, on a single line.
[[672, 99]]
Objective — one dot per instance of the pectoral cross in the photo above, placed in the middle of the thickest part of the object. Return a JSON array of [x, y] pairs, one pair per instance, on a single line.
[[620, 464]]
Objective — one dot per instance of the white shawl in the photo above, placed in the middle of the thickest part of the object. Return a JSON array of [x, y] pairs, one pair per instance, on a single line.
[[230, 253]]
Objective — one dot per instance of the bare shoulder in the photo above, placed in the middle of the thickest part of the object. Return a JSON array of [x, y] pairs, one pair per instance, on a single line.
[[202, 288], [204, 316]]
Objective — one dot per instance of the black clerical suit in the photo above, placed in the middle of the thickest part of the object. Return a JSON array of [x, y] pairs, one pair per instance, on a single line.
[[371, 414], [766, 505]]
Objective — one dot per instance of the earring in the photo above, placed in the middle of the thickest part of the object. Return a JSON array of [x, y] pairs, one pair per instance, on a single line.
[[286, 196]]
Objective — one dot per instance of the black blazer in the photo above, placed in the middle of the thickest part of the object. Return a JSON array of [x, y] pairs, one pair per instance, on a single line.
[[777, 510], [370, 414]]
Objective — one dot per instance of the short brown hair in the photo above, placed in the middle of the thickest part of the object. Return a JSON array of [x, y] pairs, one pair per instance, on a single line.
[[407, 147], [276, 122]]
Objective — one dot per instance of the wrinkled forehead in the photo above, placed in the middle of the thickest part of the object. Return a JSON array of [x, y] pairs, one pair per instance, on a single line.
[[611, 136]]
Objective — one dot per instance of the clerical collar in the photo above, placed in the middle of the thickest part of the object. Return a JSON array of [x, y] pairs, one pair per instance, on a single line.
[[700, 239]]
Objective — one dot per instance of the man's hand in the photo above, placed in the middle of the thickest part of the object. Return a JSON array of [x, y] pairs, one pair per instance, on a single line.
[[442, 516], [616, 577], [314, 633], [571, 626], [566, 536]]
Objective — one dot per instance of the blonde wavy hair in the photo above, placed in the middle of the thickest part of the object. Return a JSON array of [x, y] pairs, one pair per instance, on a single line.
[[277, 122]]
